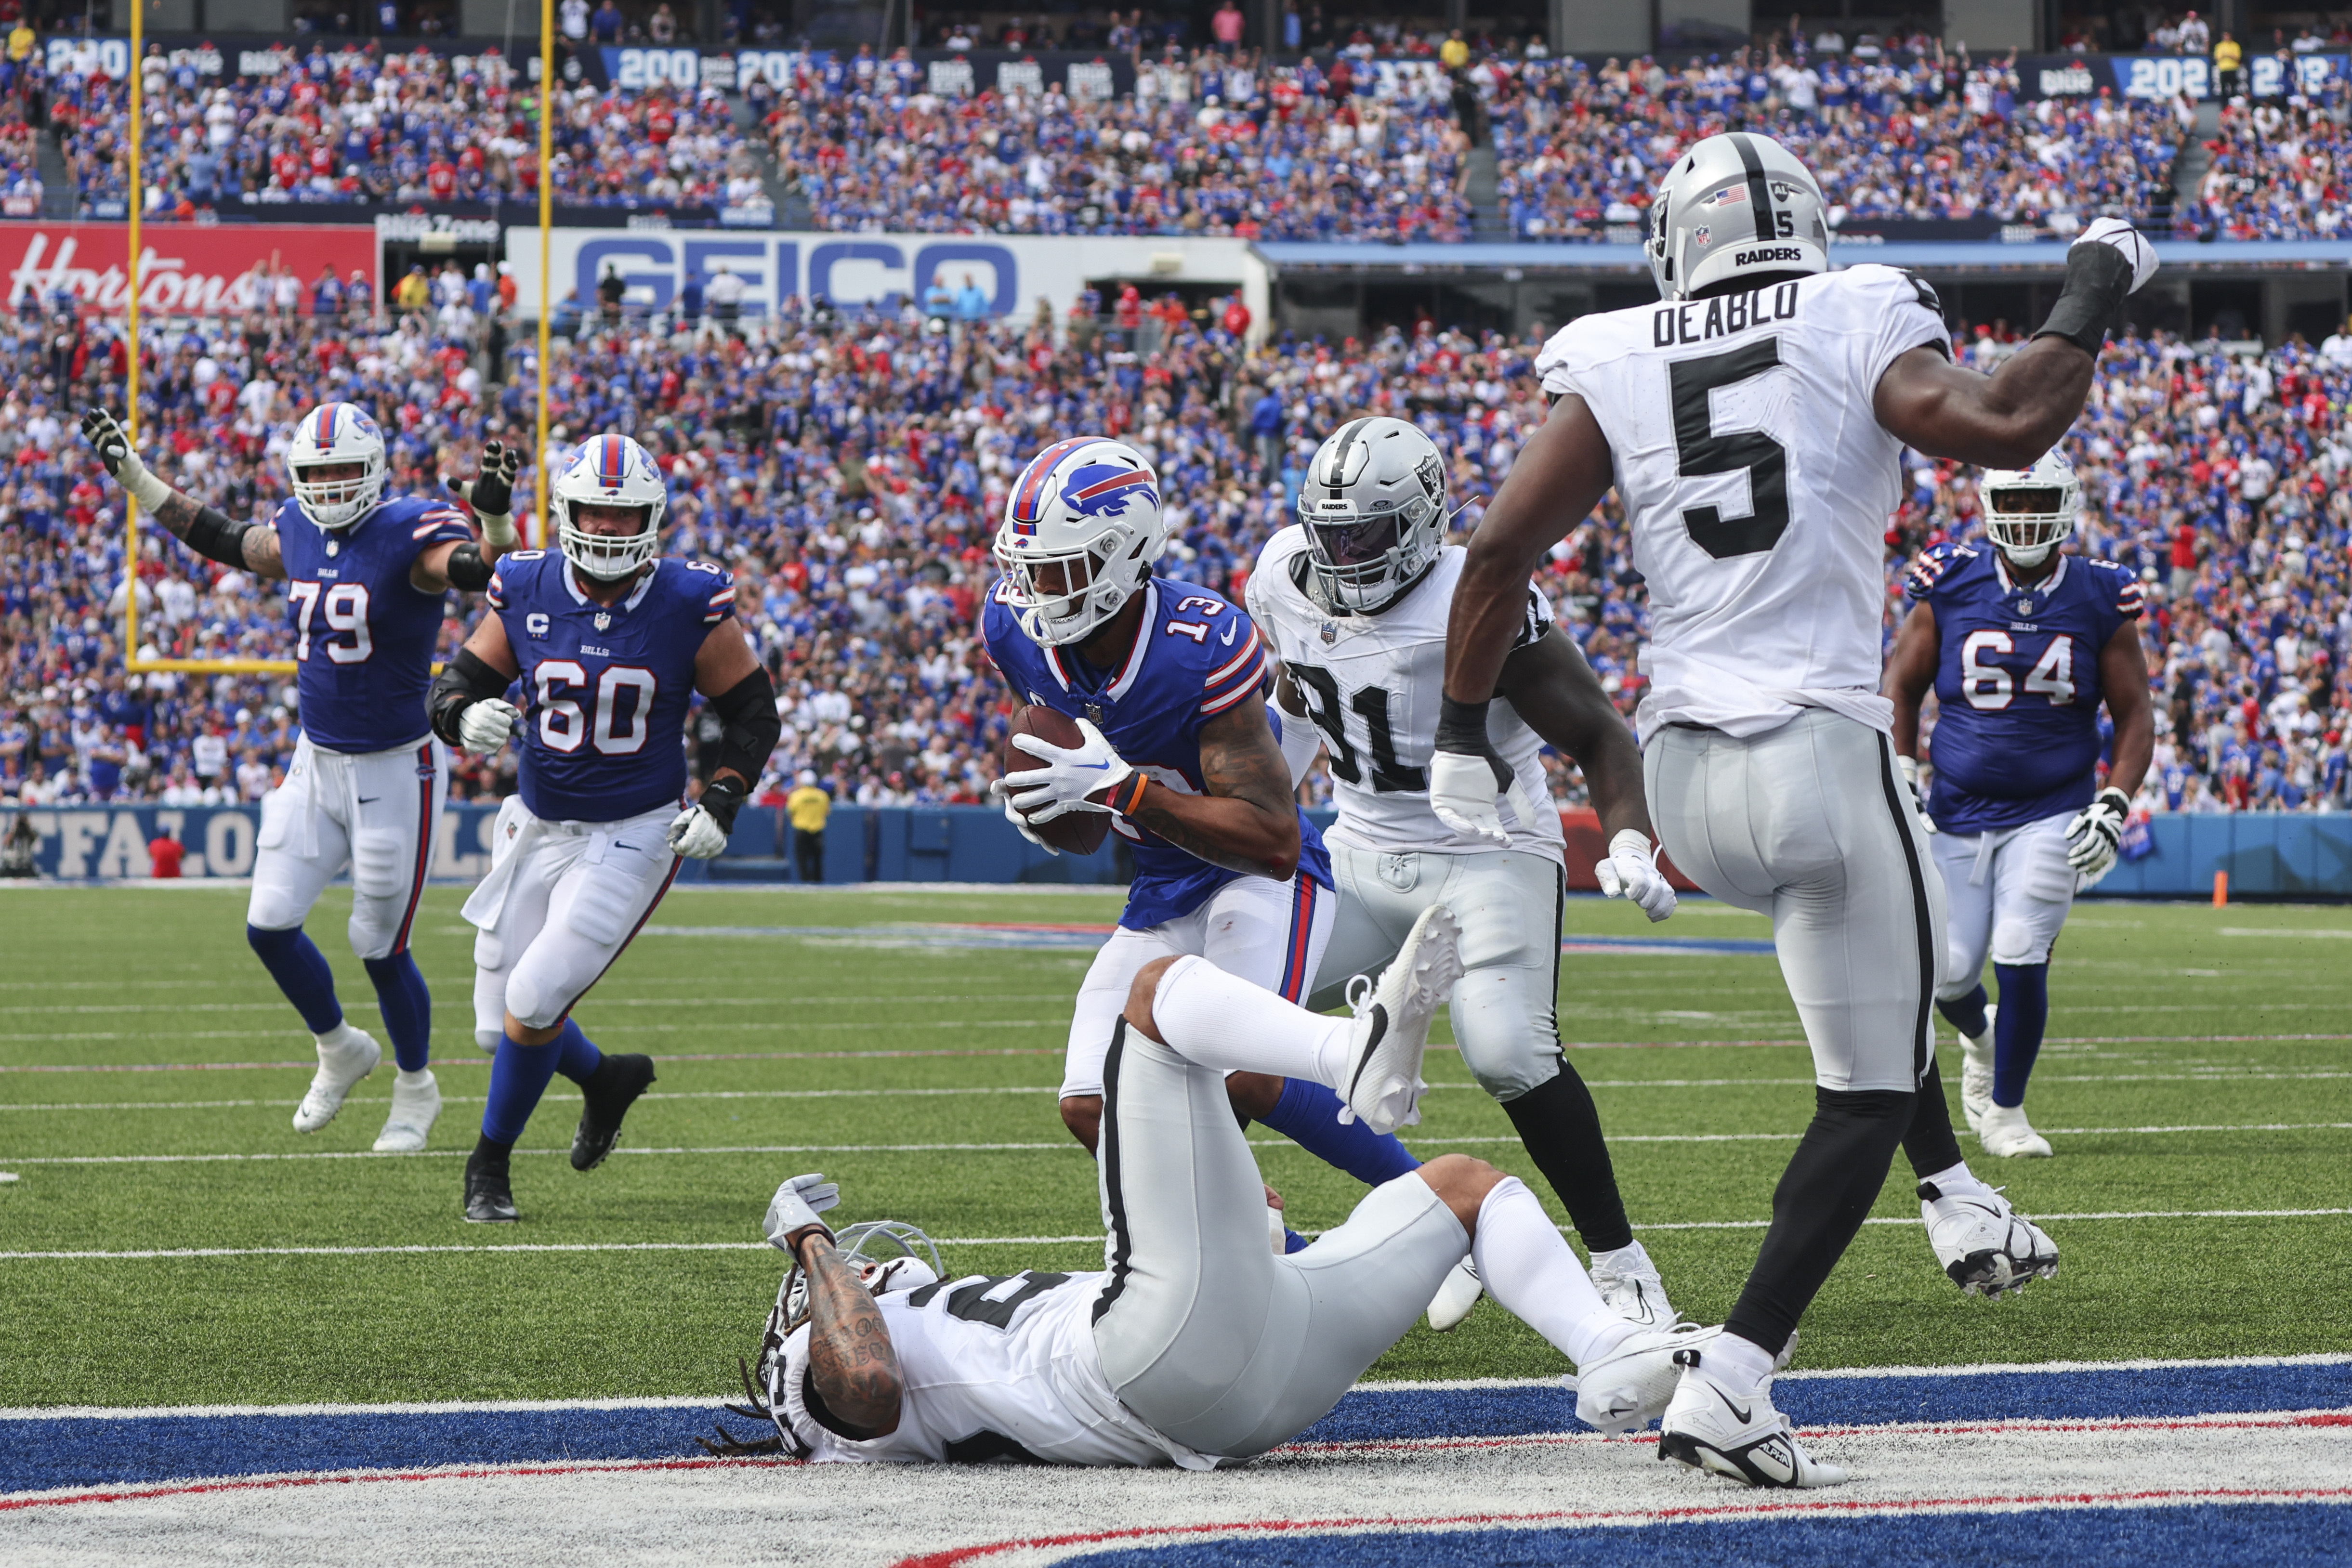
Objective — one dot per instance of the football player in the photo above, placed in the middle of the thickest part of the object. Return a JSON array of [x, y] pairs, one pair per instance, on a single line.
[[610, 643], [1166, 681], [1193, 1345], [364, 578], [2022, 643], [1354, 601], [1751, 424]]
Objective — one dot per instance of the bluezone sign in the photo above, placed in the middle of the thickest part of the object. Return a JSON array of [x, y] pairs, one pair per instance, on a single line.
[[1013, 272], [2164, 77]]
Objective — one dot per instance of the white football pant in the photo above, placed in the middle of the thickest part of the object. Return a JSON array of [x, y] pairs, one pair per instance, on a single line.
[[560, 902], [1271, 934], [1811, 825], [376, 811], [1204, 1333], [1509, 905], [2008, 891]]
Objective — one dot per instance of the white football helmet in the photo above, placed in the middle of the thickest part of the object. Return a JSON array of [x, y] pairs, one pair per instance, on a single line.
[[1089, 507], [609, 471], [337, 433], [2029, 512], [1738, 205], [882, 1253], [1374, 509]]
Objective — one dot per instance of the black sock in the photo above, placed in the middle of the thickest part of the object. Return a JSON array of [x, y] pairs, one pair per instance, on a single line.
[[1931, 1145], [488, 1154], [1824, 1196], [1561, 1129]]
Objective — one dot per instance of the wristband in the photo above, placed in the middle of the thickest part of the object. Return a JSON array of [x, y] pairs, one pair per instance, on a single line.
[[2098, 279], [215, 538], [498, 529], [722, 798], [1126, 794], [1462, 728]]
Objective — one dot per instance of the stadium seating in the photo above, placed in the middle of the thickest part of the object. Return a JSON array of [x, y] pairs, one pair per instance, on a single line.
[[850, 472], [2277, 171]]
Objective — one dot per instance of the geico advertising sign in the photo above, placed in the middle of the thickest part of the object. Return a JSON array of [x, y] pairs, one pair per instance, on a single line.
[[1013, 272], [185, 269]]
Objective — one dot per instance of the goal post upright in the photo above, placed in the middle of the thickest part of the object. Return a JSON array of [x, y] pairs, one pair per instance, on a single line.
[[546, 270]]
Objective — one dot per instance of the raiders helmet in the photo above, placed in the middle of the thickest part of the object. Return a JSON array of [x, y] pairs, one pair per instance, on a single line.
[[1733, 206]]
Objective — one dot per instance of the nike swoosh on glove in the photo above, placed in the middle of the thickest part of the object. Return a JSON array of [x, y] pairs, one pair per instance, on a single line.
[[2097, 834], [1632, 871], [1071, 774], [696, 834], [1012, 814], [1910, 767], [2132, 244], [797, 1205], [1466, 792], [484, 727]]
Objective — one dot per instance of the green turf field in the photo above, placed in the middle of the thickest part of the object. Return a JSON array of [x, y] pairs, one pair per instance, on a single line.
[[2205, 1050]]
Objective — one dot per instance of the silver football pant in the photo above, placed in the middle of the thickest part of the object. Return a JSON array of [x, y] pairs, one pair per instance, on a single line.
[[1509, 905], [1204, 1333], [1811, 824]]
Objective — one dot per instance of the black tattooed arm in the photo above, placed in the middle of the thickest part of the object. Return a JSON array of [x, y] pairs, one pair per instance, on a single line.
[[851, 1363]]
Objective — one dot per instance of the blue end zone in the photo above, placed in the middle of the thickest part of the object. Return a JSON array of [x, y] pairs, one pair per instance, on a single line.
[[38, 1452], [2216, 1533]]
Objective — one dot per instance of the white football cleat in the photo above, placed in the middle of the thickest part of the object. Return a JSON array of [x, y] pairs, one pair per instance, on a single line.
[[2007, 1134], [1456, 1297], [1976, 1072], [1983, 1244], [1630, 1287], [1392, 1018], [414, 1112], [1742, 1437], [339, 1067], [1631, 1386]]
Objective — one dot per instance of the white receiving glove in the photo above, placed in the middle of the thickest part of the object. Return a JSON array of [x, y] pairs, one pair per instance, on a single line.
[[1910, 765], [1632, 871], [1012, 814], [484, 727], [2121, 237], [1465, 791], [2097, 834], [797, 1205], [696, 834], [1069, 776]]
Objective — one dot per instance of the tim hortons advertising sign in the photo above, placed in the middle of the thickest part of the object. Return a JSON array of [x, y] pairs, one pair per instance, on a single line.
[[185, 269]]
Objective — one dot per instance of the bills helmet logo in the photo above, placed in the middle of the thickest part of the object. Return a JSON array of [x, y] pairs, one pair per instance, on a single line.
[[1104, 489]]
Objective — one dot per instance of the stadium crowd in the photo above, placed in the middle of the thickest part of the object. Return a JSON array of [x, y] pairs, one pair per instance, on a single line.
[[2278, 171], [849, 469]]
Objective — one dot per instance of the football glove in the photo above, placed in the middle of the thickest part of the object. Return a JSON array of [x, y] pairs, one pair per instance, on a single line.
[[2120, 236], [701, 832], [112, 444], [1012, 814], [2096, 833], [1632, 871], [1910, 765], [1467, 777], [491, 493], [795, 1208], [1071, 775], [484, 727]]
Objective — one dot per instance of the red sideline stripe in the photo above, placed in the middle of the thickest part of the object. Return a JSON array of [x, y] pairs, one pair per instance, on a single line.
[[960, 1554], [353, 1477], [1302, 934], [425, 825]]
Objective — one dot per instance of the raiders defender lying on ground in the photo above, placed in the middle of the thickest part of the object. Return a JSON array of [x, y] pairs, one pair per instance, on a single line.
[[1197, 1344]]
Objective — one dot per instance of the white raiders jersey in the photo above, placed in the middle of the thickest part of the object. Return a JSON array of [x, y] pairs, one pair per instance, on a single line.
[[1374, 684], [993, 1367], [1758, 483]]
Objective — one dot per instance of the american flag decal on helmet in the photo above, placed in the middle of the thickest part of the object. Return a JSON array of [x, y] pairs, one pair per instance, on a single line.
[[1029, 491]]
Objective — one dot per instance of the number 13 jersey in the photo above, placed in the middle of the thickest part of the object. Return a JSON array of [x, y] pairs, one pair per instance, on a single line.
[[606, 686], [1758, 483]]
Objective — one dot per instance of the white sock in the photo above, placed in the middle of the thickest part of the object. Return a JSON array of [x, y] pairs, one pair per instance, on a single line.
[[1737, 1363], [1955, 1180], [1220, 1022], [416, 1079], [1525, 1264], [340, 1037]]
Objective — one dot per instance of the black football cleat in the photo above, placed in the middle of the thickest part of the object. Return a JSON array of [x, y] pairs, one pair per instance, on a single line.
[[489, 1197], [609, 1092]]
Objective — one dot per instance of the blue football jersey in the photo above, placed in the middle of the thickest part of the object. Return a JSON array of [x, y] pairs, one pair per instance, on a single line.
[[1196, 655], [365, 635], [606, 687], [2017, 683]]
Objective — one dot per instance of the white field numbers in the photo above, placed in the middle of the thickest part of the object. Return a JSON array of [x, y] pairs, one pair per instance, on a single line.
[[624, 706], [344, 608], [1988, 686]]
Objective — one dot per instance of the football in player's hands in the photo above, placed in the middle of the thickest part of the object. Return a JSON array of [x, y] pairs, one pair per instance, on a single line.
[[2133, 244], [1071, 832]]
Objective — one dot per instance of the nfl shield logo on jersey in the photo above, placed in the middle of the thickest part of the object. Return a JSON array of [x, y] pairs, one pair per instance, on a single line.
[[1330, 634], [603, 620]]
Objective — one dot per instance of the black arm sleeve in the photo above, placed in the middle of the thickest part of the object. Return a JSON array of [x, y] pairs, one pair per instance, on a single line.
[[215, 538], [468, 569], [748, 708], [464, 680]]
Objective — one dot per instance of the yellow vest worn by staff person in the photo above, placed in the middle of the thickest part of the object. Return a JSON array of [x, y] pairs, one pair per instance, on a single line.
[[809, 807]]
